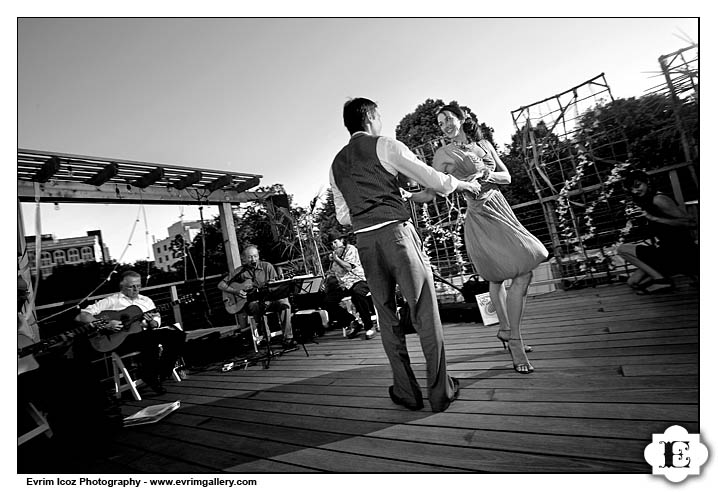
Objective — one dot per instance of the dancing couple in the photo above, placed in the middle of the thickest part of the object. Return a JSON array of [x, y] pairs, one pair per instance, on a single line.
[[364, 180]]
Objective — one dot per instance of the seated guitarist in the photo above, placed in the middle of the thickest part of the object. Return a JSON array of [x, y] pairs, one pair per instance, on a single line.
[[154, 368], [255, 274]]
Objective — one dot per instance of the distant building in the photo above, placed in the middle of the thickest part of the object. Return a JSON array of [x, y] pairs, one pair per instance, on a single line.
[[162, 249], [71, 251]]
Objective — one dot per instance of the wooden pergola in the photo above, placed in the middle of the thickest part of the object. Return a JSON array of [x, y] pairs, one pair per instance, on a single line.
[[58, 177]]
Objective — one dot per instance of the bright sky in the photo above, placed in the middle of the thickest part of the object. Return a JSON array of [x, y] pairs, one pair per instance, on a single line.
[[265, 95]]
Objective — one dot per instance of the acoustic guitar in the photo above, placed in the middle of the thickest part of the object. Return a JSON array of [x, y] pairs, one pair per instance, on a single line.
[[131, 318], [234, 303], [275, 289]]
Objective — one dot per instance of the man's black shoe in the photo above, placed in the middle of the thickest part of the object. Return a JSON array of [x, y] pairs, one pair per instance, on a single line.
[[356, 328], [289, 344], [456, 387], [456, 395], [395, 399]]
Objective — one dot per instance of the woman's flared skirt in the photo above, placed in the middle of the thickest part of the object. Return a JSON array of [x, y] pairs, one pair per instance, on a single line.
[[498, 245]]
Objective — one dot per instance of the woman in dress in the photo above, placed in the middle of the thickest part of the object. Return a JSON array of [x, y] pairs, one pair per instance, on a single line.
[[499, 246]]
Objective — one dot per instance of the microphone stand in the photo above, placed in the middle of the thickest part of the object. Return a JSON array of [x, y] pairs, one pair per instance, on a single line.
[[261, 296]]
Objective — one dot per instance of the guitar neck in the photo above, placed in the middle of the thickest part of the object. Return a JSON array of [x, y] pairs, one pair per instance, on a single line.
[[58, 339], [165, 306]]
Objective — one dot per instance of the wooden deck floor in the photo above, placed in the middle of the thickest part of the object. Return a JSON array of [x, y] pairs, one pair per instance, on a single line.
[[611, 369]]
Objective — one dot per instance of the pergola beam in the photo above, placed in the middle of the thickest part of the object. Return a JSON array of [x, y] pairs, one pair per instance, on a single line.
[[66, 192]]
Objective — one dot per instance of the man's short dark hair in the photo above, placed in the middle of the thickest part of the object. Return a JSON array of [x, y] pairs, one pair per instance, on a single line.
[[356, 113]]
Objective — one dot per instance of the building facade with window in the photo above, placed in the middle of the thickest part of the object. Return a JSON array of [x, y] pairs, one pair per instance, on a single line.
[[72, 250], [163, 250]]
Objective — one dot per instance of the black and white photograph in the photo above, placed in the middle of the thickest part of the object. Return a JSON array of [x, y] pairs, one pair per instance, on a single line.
[[264, 251]]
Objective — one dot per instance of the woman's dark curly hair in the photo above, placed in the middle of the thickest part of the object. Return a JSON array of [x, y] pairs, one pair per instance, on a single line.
[[472, 130], [470, 127]]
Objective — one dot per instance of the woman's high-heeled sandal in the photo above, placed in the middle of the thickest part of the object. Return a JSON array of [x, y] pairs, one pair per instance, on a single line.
[[505, 335], [518, 356]]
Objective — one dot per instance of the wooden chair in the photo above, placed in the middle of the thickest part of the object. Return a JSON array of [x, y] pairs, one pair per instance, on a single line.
[[120, 372], [124, 381]]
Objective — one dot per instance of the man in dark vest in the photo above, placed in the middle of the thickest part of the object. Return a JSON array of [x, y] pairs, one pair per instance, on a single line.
[[364, 180]]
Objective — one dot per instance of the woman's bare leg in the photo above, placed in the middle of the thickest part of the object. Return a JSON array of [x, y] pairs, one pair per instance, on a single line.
[[515, 303], [497, 292]]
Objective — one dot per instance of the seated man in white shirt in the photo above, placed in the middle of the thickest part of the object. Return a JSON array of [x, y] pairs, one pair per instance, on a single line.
[[154, 367]]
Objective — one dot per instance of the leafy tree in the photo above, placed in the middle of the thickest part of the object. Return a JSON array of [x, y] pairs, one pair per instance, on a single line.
[[647, 124], [178, 245]]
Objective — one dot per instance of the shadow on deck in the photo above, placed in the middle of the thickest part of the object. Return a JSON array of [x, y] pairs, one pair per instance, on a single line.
[[611, 369]]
